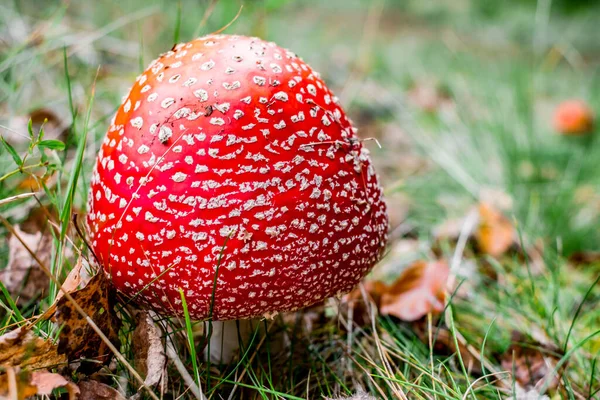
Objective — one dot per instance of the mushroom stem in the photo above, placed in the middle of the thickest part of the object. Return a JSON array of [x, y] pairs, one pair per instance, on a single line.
[[225, 339]]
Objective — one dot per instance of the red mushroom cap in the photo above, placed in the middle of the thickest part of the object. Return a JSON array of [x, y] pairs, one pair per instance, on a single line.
[[230, 156]]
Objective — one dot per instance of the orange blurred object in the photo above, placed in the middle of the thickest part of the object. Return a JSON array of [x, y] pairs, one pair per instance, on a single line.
[[573, 117]]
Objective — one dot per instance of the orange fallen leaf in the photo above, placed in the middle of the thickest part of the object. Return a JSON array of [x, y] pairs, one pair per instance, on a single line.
[[22, 348], [495, 233], [419, 290], [573, 117], [24, 384], [77, 339], [73, 280]]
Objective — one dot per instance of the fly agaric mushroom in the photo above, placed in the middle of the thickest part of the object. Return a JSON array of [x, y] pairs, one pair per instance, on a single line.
[[231, 174]]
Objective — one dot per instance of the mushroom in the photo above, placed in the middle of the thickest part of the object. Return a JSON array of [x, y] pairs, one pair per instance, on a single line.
[[231, 176]]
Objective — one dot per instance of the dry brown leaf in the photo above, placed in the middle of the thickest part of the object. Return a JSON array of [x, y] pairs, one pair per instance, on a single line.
[[150, 358], [77, 339], [531, 361], [495, 234], [23, 277], [419, 290], [22, 348], [24, 384], [72, 282], [76, 278], [93, 390]]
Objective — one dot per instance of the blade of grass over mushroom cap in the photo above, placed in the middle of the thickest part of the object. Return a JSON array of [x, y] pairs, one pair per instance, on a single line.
[[190, 336]]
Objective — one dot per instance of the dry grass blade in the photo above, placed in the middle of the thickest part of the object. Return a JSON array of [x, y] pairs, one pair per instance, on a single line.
[[230, 22], [18, 197]]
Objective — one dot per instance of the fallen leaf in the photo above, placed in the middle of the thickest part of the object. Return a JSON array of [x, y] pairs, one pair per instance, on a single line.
[[419, 290], [531, 361], [77, 339], [23, 277], [495, 233], [73, 280], [573, 117], [39, 219], [77, 277], [93, 390], [27, 384], [150, 358], [22, 348]]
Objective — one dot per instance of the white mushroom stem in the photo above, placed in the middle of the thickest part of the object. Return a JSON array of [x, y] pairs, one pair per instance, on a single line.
[[226, 336]]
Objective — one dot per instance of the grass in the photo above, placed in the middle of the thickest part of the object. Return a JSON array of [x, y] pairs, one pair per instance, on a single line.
[[497, 71]]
